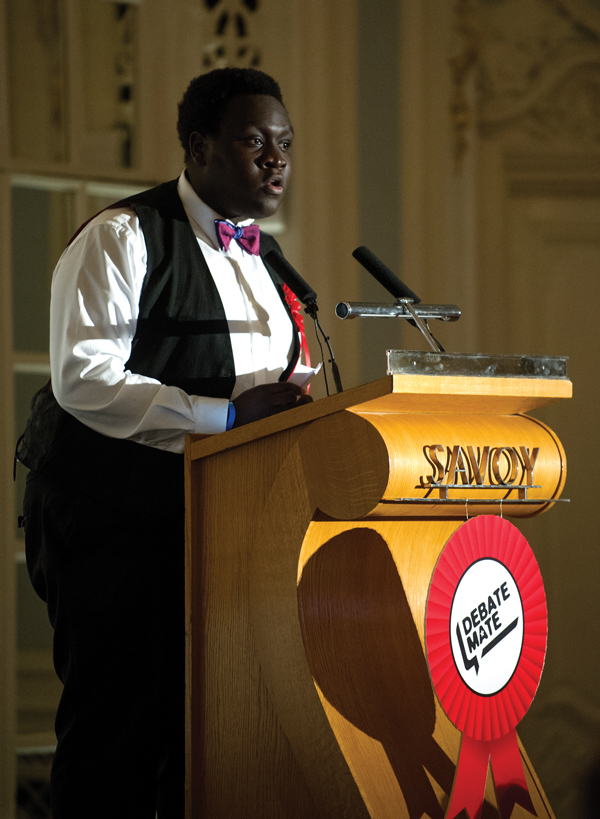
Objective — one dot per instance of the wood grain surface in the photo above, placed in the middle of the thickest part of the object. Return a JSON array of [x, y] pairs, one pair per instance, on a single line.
[[402, 393], [408, 436], [307, 690], [362, 594]]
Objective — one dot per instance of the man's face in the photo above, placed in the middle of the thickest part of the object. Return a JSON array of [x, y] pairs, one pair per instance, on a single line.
[[243, 171]]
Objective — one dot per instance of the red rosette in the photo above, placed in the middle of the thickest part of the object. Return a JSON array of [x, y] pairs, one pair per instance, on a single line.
[[295, 308], [486, 628]]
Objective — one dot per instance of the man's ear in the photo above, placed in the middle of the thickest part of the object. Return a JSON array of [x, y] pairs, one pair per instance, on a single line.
[[197, 148]]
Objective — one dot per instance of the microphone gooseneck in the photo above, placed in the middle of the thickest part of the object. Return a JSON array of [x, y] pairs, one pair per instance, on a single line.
[[292, 278], [308, 297]]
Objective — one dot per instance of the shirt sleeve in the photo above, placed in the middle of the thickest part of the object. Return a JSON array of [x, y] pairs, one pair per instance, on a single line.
[[93, 316]]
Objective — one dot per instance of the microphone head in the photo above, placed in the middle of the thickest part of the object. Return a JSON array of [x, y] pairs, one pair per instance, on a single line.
[[384, 275], [291, 277]]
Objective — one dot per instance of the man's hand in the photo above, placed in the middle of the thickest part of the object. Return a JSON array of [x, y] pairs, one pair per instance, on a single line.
[[267, 399]]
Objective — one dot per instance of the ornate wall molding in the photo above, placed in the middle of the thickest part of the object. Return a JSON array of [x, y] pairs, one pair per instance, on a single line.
[[110, 72], [583, 14], [229, 40], [464, 59], [48, 21], [537, 65], [567, 110]]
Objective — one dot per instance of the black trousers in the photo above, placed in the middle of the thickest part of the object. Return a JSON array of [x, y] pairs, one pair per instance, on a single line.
[[114, 586]]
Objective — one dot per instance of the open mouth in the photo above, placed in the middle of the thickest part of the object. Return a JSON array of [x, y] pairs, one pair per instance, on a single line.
[[275, 186]]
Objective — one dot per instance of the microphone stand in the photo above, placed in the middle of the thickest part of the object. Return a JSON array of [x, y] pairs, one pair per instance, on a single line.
[[423, 326], [403, 308]]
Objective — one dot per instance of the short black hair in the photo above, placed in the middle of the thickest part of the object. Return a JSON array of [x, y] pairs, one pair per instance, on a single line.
[[206, 96]]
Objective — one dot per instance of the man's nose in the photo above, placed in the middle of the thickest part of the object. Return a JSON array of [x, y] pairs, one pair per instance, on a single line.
[[274, 157]]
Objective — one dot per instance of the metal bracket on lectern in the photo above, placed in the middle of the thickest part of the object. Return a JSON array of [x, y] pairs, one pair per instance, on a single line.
[[403, 308]]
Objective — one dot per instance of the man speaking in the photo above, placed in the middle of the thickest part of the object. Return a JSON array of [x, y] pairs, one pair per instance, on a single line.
[[164, 321]]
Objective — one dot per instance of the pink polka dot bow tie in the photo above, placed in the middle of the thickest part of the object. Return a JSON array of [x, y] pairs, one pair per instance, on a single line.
[[248, 238]]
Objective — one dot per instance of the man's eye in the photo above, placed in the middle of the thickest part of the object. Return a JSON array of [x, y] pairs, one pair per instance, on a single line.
[[285, 145]]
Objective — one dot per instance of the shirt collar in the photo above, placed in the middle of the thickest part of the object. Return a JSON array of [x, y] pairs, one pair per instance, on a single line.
[[203, 215]]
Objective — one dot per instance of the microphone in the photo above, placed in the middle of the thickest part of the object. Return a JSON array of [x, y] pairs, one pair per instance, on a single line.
[[384, 275], [308, 297], [293, 279]]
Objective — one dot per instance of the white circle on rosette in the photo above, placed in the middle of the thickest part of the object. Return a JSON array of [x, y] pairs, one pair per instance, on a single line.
[[486, 626]]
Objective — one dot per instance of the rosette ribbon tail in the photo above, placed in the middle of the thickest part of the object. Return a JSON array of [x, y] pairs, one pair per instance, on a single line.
[[469, 782], [471, 774], [509, 777]]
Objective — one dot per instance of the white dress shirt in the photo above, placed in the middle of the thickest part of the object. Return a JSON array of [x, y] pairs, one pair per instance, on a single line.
[[96, 290]]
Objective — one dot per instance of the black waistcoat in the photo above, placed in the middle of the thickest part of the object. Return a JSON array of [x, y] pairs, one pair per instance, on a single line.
[[182, 339]]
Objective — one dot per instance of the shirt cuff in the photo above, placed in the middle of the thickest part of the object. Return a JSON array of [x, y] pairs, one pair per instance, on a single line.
[[230, 415], [210, 414]]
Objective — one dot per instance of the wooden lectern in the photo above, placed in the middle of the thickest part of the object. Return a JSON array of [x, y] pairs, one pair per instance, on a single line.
[[311, 541]]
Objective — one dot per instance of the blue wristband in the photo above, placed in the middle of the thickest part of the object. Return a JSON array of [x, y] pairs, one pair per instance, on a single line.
[[230, 415]]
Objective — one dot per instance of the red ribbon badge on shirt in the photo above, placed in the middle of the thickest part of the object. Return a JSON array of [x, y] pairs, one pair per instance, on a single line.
[[295, 308], [486, 628]]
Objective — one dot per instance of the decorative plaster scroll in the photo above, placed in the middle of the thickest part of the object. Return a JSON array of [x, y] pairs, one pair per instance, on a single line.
[[538, 69], [581, 13], [231, 44], [539, 64], [567, 112]]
